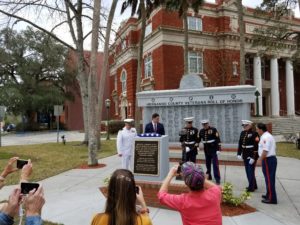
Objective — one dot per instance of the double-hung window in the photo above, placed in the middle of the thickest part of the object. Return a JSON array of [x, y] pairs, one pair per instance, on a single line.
[[195, 62], [194, 23], [148, 66]]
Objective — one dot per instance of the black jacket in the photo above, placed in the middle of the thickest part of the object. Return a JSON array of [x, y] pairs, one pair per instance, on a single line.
[[248, 144], [211, 140]]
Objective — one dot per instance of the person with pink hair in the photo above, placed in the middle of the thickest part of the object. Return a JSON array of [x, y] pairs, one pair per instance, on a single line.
[[201, 205]]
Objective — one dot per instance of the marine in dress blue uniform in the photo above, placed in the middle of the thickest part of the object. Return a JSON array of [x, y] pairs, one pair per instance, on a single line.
[[248, 151], [189, 141], [210, 138]]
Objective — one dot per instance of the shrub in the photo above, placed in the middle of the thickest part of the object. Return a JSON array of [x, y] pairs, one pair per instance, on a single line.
[[115, 126], [228, 197]]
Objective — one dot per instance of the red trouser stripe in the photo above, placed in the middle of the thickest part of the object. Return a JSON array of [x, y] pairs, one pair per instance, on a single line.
[[268, 178]]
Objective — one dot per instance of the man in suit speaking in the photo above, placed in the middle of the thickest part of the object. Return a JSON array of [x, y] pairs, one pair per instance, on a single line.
[[155, 126]]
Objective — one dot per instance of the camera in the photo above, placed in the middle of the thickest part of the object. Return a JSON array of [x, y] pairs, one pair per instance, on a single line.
[[137, 189], [21, 163], [27, 187]]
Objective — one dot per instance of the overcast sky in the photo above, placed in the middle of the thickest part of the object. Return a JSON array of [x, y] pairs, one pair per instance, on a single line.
[[61, 31]]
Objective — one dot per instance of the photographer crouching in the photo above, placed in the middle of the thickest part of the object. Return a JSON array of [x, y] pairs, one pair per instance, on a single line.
[[201, 205]]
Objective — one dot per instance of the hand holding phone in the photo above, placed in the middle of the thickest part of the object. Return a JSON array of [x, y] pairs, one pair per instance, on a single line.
[[27, 187], [21, 163]]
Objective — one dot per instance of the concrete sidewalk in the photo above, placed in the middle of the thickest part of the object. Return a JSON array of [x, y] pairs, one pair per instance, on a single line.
[[73, 197]]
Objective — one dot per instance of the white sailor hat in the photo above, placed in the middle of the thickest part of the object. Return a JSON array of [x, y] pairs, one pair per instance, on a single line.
[[128, 120], [189, 119], [204, 121], [246, 122]]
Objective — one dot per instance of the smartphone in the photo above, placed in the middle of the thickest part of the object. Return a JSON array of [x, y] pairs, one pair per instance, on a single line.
[[179, 169], [27, 187], [21, 163], [137, 189]]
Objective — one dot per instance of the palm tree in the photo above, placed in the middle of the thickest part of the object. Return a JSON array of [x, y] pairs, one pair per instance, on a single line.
[[242, 41], [182, 7], [143, 9]]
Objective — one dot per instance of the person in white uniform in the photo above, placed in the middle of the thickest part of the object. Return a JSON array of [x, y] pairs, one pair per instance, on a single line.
[[125, 142], [267, 157]]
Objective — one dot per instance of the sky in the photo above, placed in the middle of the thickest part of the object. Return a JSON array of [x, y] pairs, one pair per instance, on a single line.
[[61, 31]]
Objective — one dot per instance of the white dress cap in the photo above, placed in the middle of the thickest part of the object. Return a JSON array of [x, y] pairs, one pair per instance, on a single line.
[[128, 120], [189, 119], [246, 122], [204, 121]]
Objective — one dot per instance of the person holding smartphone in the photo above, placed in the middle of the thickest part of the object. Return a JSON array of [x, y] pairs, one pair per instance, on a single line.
[[9, 168], [121, 202], [33, 203], [201, 205]]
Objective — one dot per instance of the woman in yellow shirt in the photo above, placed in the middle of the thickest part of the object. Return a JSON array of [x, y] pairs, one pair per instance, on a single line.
[[121, 202]]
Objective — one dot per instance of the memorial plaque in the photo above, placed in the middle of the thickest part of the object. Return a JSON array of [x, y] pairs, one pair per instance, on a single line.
[[146, 158]]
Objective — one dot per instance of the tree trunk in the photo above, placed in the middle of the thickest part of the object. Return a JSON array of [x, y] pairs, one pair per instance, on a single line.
[[104, 71], [242, 41], [137, 110], [92, 90], [186, 43]]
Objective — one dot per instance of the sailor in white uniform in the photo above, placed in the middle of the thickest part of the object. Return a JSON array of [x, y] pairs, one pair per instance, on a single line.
[[125, 142]]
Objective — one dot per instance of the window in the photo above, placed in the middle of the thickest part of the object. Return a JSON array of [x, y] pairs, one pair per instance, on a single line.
[[148, 66], [234, 68], [148, 29], [123, 81], [123, 43], [194, 23], [195, 62]]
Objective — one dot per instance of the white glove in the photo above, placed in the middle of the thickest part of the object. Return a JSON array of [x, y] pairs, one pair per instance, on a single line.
[[218, 152], [187, 149], [239, 157], [251, 161]]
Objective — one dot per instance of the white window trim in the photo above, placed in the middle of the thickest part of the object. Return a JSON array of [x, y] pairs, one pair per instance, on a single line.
[[148, 64], [235, 69], [199, 65], [124, 87], [197, 21], [148, 29]]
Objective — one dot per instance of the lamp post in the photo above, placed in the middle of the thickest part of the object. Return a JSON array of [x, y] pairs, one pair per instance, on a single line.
[[107, 105], [257, 94], [2, 114]]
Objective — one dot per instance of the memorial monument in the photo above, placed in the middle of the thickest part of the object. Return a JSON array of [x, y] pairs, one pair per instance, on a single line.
[[225, 107], [151, 158]]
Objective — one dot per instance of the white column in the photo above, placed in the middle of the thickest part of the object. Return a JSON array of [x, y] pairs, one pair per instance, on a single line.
[[290, 92], [275, 102], [258, 83]]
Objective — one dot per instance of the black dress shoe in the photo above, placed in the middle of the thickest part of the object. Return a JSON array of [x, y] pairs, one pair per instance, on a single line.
[[266, 201], [264, 196], [250, 190]]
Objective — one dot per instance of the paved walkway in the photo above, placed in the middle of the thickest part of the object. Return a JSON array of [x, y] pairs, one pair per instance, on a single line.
[[29, 138], [73, 196]]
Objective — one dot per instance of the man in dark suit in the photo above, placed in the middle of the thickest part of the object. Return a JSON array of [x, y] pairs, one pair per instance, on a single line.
[[155, 126]]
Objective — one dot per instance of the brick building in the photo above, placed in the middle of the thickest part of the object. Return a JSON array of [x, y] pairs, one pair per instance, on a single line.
[[213, 55], [73, 116]]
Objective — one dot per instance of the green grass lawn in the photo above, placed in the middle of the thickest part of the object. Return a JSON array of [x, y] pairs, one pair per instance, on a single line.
[[52, 158], [288, 150]]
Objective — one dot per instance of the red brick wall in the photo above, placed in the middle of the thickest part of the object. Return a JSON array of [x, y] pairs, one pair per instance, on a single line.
[[173, 67], [218, 66], [210, 24]]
